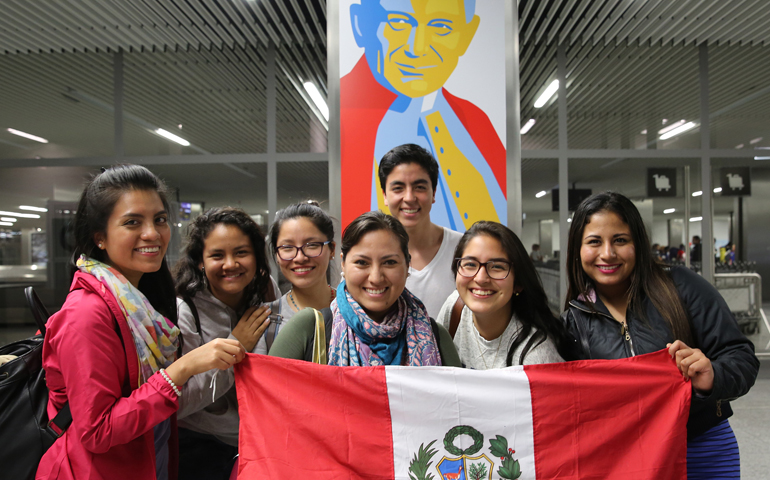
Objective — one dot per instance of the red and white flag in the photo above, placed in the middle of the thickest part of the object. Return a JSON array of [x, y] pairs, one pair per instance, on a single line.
[[599, 419]]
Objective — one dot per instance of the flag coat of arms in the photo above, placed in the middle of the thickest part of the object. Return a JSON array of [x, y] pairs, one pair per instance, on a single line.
[[597, 419]]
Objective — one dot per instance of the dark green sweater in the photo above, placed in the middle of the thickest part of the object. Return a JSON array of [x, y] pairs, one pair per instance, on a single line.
[[295, 335]]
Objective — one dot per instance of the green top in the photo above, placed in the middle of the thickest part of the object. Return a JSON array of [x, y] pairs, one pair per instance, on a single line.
[[294, 337]]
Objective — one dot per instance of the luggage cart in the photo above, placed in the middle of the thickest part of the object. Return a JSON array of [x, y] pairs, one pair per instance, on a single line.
[[743, 294]]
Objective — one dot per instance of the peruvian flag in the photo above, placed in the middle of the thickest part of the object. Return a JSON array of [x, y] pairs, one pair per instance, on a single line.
[[598, 419]]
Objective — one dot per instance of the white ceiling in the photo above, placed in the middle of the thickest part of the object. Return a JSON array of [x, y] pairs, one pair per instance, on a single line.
[[202, 64]]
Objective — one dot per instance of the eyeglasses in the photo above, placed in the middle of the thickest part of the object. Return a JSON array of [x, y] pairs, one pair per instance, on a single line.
[[310, 250], [496, 269]]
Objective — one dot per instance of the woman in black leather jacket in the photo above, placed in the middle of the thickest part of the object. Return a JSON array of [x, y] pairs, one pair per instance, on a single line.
[[622, 303]]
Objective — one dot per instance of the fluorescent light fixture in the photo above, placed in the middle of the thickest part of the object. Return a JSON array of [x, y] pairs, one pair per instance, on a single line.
[[541, 193], [316, 97], [696, 219], [644, 132], [756, 140], [8, 219], [697, 194], [718, 190], [6, 224], [32, 209], [27, 135], [20, 215], [547, 94], [669, 210], [761, 158], [678, 130], [172, 137], [740, 145], [530, 123], [671, 127]]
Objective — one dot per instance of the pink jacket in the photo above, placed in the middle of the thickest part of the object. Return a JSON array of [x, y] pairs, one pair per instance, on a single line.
[[111, 435]]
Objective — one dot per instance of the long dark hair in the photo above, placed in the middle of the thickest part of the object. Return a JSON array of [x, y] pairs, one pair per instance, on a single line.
[[649, 279], [189, 278], [531, 305], [94, 209]]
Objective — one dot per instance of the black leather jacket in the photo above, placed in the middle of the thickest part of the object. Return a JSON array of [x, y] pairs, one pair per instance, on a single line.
[[596, 334]]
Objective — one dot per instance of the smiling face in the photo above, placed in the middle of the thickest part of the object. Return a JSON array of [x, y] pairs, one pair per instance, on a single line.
[[137, 234], [229, 263], [303, 272], [608, 254], [375, 272], [414, 46], [485, 296], [409, 194]]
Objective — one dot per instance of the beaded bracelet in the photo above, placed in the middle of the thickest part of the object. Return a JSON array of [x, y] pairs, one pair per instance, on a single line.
[[170, 382]]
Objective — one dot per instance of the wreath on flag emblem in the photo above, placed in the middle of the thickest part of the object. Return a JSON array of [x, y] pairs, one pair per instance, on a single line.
[[508, 469]]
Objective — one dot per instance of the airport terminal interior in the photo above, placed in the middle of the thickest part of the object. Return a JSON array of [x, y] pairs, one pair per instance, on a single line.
[[666, 102]]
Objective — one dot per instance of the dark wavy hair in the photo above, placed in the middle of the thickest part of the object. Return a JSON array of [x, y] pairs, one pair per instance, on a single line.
[[372, 222], [408, 153], [531, 305], [189, 277], [649, 279], [96, 203]]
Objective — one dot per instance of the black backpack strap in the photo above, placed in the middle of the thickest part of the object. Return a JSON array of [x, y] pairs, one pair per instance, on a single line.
[[436, 334], [454, 319], [59, 424], [276, 319]]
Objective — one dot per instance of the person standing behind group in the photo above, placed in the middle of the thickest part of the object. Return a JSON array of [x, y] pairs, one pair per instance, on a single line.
[[110, 352], [375, 320], [222, 280], [621, 302], [408, 177], [505, 319], [302, 240]]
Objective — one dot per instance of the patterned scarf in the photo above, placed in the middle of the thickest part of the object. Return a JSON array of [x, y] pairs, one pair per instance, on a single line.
[[354, 334], [156, 338]]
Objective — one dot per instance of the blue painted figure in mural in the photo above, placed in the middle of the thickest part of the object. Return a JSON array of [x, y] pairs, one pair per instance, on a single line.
[[411, 48]]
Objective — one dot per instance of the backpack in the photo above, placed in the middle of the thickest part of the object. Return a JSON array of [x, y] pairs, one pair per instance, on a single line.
[[25, 429]]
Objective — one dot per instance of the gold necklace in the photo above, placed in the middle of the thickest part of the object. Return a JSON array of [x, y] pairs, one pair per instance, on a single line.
[[332, 294], [478, 344]]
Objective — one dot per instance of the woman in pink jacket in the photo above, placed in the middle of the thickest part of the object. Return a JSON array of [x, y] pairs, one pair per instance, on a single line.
[[110, 352]]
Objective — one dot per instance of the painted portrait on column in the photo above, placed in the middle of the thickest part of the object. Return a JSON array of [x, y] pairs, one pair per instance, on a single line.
[[429, 72]]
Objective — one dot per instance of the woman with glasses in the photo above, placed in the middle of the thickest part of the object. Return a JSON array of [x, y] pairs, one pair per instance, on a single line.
[[302, 239], [222, 282], [374, 319], [504, 317]]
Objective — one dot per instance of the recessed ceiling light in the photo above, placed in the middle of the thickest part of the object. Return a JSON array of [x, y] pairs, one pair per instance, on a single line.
[[696, 219], [547, 94], [718, 190], [680, 129], [669, 210], [32, 209], [27, 135], [8, 219], [172, 137], [740, 145], [317, 98], [697, 194], [541, 193], [6, 224], [527, 126], [756, 140], [20, 215]]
